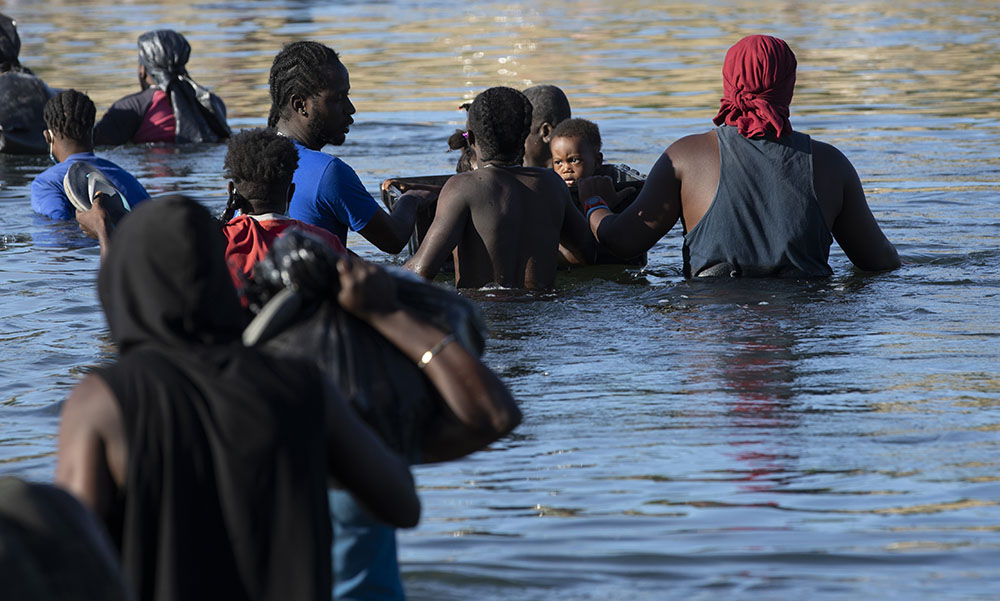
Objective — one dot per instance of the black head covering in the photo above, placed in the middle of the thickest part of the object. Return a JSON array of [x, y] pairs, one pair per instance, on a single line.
[[200, 115], [10, 45], [165, 280], [225, 490], [22, 98], [51, 547]]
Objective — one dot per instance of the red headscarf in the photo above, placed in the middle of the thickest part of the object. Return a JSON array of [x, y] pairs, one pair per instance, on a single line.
[[758, 78]]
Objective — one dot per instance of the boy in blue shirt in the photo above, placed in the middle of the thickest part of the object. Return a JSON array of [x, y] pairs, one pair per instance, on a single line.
[[69, 117]]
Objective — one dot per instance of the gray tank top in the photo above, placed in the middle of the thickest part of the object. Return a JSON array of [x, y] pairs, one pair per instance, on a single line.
[[765, 219]]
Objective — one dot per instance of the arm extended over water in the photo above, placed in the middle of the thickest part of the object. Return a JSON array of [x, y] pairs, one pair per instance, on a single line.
[[650, 216], [481, 409]]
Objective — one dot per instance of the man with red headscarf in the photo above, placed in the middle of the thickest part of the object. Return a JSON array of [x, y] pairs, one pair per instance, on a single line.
[[755, 198]]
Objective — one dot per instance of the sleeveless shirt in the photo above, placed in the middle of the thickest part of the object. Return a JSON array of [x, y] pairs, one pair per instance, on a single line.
[[765, 219]]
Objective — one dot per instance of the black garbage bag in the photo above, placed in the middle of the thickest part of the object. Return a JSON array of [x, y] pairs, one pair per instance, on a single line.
[[294, 295], [200, 116], [22, 121]]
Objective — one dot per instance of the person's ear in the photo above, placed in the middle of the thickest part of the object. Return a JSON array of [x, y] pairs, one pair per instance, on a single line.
[[298, 104], [48, 136], [600, 159], [545, 132]]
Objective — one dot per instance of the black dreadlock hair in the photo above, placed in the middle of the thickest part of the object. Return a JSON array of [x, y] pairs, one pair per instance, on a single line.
[[500, 119], [301, 68], [579, 128], [261, 164], [71, 114], [549, 103]]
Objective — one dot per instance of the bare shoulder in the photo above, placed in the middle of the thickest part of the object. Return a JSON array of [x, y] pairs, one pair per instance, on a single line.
[[693, 144], [693, 149], [459, 182], [548, 179], [92, 405], [458, 190]]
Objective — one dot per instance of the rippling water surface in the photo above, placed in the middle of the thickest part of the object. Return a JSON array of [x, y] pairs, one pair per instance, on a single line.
[[743, 440]]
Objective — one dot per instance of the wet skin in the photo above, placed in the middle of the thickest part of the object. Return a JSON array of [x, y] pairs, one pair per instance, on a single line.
[[505, 225], [682, 185]]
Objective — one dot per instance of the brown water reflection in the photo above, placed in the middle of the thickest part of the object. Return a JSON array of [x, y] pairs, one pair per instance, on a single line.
[[904, 57]]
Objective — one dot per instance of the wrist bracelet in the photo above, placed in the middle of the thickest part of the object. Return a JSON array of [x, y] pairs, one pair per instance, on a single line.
[[434, 350], [592, 204], [594, 208]]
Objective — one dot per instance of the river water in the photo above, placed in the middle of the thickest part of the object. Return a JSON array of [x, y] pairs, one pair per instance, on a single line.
[[837, 439]]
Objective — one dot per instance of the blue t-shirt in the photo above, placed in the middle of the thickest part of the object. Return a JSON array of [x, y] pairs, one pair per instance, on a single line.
[[49, 198], [329, 194]]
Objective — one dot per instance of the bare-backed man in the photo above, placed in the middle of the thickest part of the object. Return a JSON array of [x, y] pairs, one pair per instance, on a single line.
[[755, 198], [504, 221]]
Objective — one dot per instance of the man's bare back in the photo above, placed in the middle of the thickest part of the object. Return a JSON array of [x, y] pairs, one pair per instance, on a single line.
[[505, 225], [767, 221], [683, 184]]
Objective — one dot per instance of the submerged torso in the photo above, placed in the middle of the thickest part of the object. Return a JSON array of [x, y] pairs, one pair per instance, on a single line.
[[516, 217], [765, 218]]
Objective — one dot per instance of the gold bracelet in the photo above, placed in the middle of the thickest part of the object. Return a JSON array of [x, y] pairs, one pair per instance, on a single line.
[[434, 350]]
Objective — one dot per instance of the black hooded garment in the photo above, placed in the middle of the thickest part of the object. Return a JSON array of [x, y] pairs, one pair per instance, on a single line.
[[22, 98], [52, 547], [199, 115], [225, 492], [10, 45]]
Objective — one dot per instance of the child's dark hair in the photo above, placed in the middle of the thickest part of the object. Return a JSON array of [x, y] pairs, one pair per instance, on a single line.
[[71, 114], [500, 119], [459, 141], [261, 164], [301, 68], [579, 128], [549, 103]]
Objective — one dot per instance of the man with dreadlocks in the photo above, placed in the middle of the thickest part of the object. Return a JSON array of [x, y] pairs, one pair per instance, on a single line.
[[310, 105], [505, 222], [755, 198], [22, 96], [170, 107], [69, 118]]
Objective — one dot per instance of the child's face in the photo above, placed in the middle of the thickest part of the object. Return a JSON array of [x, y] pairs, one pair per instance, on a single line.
[[574, 159]]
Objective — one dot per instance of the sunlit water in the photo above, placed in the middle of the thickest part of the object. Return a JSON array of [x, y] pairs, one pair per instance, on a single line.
[[739, 440]]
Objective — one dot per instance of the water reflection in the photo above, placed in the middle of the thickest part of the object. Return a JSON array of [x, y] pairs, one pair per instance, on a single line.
[[910, 57], [751, 440]]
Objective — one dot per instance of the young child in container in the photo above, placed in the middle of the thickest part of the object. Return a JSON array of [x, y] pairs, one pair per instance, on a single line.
[[576, 150]]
